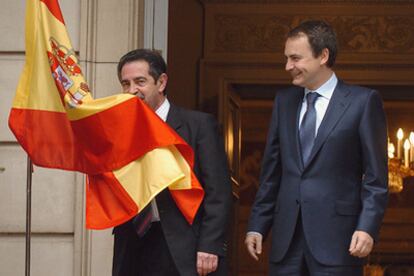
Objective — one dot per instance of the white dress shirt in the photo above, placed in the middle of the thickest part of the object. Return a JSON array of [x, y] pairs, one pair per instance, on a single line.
[[325, 91], [162, 111]]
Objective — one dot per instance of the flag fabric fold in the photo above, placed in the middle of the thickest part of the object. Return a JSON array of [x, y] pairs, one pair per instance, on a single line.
[[127, 151]]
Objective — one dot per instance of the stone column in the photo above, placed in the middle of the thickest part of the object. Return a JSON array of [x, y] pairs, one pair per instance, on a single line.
[[108, 30]]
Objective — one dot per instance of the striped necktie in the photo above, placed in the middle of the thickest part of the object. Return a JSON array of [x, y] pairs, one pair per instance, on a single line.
[[308, 126], [142, 221]]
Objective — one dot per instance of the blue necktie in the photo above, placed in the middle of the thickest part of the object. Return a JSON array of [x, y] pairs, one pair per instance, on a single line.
[[308, 126]]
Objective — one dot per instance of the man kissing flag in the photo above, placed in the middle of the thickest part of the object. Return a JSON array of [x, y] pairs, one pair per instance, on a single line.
[[128, 153]]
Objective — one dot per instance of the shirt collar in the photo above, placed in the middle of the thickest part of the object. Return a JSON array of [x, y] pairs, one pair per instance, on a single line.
[[326, 90], [162, 111]]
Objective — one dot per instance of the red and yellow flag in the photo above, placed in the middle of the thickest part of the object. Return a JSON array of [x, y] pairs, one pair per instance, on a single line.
[[128, 152]]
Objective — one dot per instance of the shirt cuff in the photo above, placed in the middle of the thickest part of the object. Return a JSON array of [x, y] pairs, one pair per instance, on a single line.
[[254, 233]]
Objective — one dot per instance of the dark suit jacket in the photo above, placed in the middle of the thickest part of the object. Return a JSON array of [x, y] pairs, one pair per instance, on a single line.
[[209, 230], [342, 188]]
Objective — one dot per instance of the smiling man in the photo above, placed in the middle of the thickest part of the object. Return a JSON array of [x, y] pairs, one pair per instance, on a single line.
[[323, 184], [168, 245]]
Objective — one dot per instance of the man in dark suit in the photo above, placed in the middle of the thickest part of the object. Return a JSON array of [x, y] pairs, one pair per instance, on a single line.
[[171, 246], [323, 186]]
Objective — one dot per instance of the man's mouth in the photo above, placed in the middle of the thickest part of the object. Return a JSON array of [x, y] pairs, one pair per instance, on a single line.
[[295, 74]]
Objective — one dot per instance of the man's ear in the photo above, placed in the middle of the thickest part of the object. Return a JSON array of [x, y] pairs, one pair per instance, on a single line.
[[162, 80], [324, 56]]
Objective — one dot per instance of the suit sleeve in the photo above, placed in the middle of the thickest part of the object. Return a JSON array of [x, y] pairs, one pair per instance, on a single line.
[[261, 217], [215, 178], [374, 191]]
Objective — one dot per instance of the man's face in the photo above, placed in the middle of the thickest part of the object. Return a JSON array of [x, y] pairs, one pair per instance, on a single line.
[[136, 80], [304, 68]]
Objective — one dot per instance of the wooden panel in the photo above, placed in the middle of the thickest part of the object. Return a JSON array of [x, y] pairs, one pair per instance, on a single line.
[[248, 266], [396, 242], [185, 38], [381, 34], [244, 42]]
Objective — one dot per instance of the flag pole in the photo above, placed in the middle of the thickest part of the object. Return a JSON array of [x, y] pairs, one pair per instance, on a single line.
[[28, 213]]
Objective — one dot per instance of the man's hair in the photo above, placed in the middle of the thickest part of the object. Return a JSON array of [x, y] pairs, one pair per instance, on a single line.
[[320, 36], [154, 59]]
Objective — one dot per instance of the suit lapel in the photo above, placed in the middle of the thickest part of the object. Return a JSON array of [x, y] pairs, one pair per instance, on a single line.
[[173, 118], [294, 107], [337, 106]]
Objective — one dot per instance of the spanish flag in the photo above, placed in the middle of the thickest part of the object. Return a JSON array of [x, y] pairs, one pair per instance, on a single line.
[[127, 151]]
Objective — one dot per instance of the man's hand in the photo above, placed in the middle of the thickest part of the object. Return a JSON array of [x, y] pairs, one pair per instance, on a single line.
[[253, 243], [206, 263], [361, 244]]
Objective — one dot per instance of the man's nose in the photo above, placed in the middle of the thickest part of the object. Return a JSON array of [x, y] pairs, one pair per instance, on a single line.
[[289, 65], [133, 89]]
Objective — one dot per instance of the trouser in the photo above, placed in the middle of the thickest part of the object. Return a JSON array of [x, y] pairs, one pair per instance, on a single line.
[[146, 256]]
